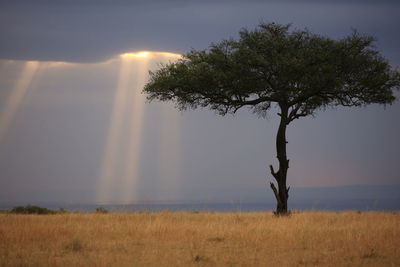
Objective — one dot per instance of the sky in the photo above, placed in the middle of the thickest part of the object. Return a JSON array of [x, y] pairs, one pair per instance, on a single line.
[[74, 127]]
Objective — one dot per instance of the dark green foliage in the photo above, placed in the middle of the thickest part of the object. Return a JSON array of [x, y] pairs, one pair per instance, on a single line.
[[31, 210], [298, 69], [101, 210]]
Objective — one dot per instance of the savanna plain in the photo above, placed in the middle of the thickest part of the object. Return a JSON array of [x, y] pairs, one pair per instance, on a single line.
[[201, 239]]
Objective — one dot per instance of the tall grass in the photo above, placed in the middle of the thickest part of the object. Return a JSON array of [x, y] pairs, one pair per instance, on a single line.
[[201, 239]]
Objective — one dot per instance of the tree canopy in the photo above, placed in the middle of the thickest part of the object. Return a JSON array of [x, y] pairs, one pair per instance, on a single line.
[[297, 68], [299, 71]]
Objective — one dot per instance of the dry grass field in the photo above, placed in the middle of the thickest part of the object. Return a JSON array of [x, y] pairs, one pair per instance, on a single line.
[[201, 239]]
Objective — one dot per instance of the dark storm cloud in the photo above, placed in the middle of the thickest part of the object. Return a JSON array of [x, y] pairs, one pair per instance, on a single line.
[[82, 31]]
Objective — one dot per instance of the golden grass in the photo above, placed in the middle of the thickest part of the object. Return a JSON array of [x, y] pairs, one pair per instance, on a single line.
[[201, 239]]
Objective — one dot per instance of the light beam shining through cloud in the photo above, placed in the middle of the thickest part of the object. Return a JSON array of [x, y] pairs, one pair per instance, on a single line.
[[17, 95], [107, 171], [132, 161], [132, 77]]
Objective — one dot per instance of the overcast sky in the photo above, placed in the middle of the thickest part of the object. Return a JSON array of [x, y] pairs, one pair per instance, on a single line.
[[54, 145]]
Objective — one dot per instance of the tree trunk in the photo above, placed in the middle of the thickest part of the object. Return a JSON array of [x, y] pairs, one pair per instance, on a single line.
[[282, 194]]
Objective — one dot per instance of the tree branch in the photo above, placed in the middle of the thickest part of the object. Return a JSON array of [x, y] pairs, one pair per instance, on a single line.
[[276, 194], [254, 101], [293, 112], [275, 174], [298, 115]]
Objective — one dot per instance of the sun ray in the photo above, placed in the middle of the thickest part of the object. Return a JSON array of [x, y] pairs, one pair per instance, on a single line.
[[108, 168], [17, 95], [134, 66], [132, 161]]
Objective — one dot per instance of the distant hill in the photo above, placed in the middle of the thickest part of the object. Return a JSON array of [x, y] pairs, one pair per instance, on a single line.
[[348, 192], [230, 195]]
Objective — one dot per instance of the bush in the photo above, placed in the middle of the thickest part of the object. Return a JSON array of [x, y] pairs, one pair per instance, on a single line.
[[101, 210], [62, 211], [31, 210]]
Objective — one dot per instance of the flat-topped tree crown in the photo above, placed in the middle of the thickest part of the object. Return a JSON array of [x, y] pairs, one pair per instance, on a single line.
[[300, 71]]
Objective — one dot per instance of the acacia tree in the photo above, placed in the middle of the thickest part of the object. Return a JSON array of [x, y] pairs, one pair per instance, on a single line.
[[298, 71]]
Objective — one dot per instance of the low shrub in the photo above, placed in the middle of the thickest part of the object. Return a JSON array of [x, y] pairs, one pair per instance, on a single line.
[[31, 210], [101, 210]]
